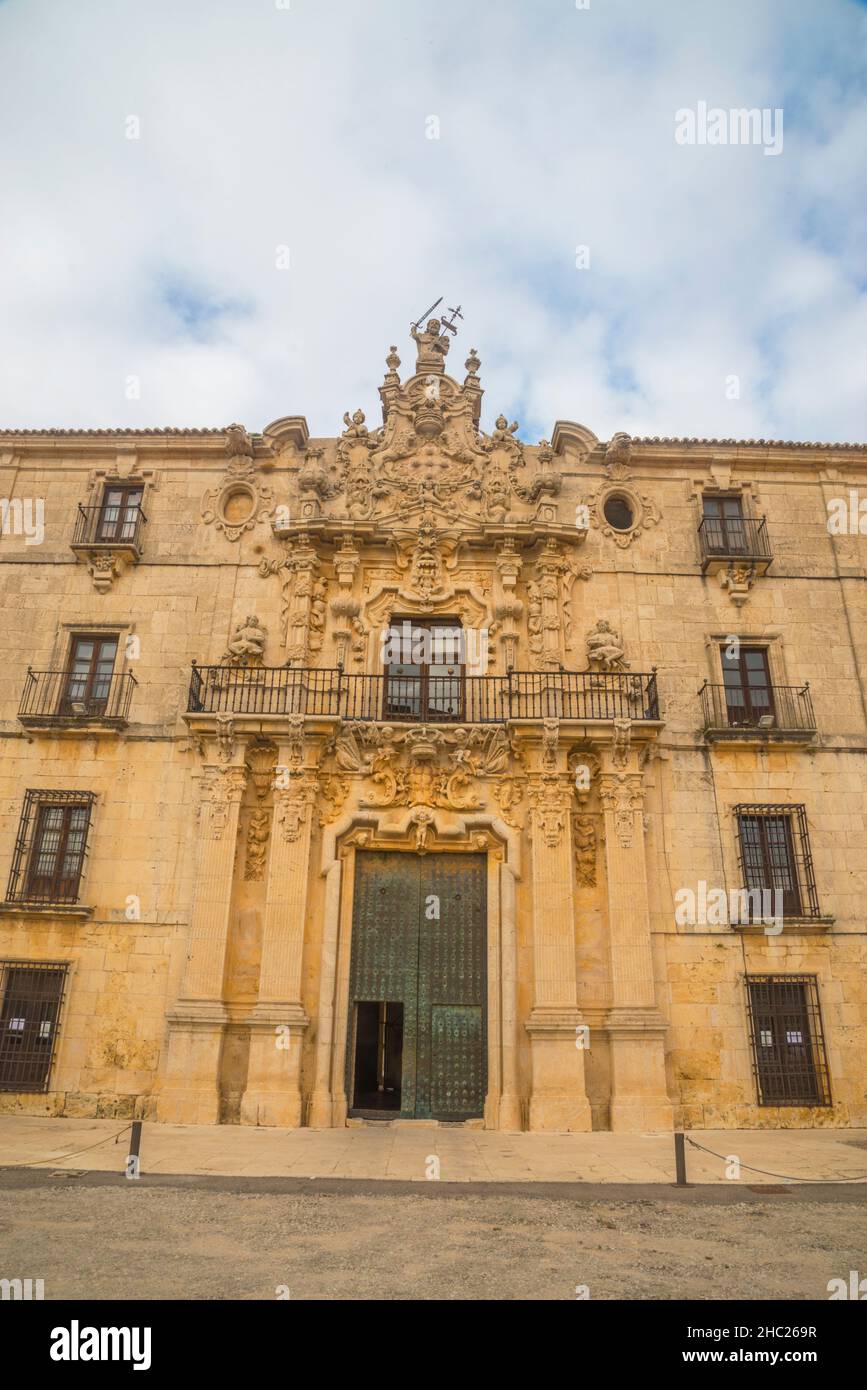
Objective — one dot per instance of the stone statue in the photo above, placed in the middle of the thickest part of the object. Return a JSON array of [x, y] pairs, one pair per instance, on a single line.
[[617, 455], [503, 431], [605, 650], [238, 442], [318, 611], [247, 647], [534, 616], [432, 346], [355, 427]]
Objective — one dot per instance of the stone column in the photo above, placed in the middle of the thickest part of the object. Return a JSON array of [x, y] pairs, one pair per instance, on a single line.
[[558, 1099], [636, 1030], [190, 1090], [508, 608], [510, 1098], [322, 1100], [549, 568], [278, 1021]]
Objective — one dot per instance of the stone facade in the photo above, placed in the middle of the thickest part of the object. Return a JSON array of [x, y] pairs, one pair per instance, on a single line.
[[207, 947]]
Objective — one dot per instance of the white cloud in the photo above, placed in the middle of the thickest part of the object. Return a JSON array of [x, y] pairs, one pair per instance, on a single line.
[[263, 127]]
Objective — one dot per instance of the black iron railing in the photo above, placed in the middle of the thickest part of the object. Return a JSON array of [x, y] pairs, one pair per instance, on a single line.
[[780, 708], [278, 690], [62, 697], [734, 538], [109, 525]]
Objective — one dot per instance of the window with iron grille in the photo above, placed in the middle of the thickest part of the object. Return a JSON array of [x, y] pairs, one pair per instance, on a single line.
[[31, 997], [51, 847], [775, 857], [787, 1040]]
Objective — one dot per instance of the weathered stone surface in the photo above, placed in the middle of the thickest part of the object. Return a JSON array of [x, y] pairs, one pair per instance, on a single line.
[[219, 898]]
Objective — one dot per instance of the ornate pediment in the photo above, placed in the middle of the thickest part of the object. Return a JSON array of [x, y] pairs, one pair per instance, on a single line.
[[416, 765], [430, 458]]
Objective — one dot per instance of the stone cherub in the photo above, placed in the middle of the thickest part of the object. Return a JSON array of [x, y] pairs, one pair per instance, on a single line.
[[605, 650], [355, 427], [247, 645], [503, 432]]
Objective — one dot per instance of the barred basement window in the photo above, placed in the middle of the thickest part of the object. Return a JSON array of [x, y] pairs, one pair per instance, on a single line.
[[775, 857], [30, 1001], [51, 847], [787, 1040]]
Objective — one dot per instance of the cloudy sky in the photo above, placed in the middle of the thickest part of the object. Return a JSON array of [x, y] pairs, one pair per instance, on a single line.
[[299, 130]]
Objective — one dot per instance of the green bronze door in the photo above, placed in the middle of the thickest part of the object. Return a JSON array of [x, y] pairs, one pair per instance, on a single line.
[[418, 952]]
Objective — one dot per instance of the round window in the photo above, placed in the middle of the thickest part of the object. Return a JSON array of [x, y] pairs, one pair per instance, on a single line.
[[618, 512]]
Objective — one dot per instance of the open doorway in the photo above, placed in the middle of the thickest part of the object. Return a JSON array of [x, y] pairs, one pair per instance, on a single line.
[[378, 1055]]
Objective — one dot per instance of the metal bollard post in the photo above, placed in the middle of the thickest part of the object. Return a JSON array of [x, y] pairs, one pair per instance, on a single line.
[[680, 1160], [133, 1161]]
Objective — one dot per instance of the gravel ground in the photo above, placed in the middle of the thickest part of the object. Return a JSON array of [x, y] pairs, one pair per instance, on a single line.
[[140, 1242]]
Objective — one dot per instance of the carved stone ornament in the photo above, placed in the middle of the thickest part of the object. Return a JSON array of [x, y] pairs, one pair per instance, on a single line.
[[584, 842], [620, 744], [430, 452], [291, 806], [550, 627], [618, 483], [104, 569], [605, 649], [622, 794], [261, 759], [241, 500], [583, 764], [737, 580], [509, 793], [303, 604], [221, 789], [550, 808], [247, 644], [418, 765], [332, 796], [258, 831], [550, 742], [225, 731]]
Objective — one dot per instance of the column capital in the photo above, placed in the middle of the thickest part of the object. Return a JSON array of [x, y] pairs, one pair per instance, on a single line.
[[622, 795], [292, 804], [550, 802]]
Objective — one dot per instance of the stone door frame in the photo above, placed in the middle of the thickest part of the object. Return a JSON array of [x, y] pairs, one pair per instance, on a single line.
[[414, 831]]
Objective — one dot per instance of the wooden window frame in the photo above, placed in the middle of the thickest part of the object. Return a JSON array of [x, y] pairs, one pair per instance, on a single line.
[[23, 879], [728, 544], [426, 715], [744, 686], [121, 523], [67, 699]]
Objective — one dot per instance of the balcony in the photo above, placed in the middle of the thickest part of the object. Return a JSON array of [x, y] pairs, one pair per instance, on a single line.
[[109, 528], [734, 540], [108, 539], [51, 700], [779, 712], [279, 691]]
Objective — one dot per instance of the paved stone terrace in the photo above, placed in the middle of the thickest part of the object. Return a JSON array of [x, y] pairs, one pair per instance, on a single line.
[[402, 1150]]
